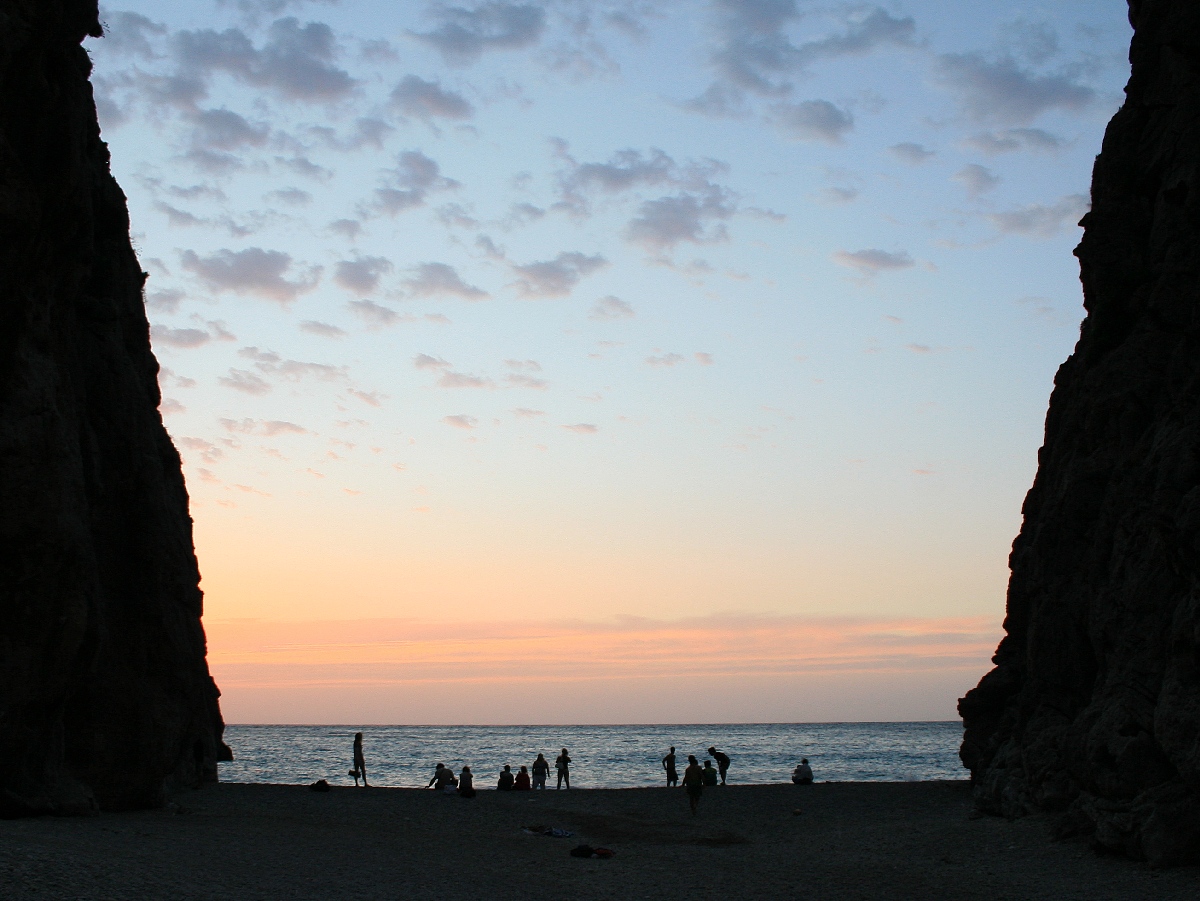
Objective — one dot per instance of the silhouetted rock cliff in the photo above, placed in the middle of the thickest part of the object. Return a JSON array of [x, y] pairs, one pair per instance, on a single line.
[[1094, 705], [105, 696]]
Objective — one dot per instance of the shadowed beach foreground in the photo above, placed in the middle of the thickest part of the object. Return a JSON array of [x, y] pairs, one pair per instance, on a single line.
[[849, 841]]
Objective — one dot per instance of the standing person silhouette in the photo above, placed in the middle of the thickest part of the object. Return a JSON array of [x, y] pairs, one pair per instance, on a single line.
[[360, 762], [693, 781], [562, 763], [668, 763], [722, 762], [541, 770]]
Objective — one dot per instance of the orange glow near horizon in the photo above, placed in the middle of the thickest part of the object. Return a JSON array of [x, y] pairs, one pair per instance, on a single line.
[[628, 669]]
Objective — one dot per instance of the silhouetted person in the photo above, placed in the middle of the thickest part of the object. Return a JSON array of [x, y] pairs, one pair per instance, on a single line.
[[722, 762], [443, 778], [802, 774], [668, 763], [710, 774], [506, 780], [466, 783], [360, 762], [522, 782], [693, 781], [562, 763], [541, 772]]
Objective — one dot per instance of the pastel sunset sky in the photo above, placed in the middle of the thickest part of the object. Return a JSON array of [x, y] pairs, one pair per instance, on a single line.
[[606, 360]]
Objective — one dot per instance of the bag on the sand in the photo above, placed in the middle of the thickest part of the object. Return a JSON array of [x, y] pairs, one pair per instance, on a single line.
[[589, 851], [319, 786]]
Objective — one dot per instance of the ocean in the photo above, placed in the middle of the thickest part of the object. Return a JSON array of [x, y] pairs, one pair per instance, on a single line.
[[602, 756]]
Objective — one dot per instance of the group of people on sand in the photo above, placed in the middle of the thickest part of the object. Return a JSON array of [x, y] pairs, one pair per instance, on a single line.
[[464, 785], [696, 777], [520, 782]]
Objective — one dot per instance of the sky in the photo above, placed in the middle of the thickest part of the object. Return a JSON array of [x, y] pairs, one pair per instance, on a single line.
[[608, 361]]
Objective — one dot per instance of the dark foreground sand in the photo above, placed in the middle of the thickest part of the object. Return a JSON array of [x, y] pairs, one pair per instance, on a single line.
[[879, 841]]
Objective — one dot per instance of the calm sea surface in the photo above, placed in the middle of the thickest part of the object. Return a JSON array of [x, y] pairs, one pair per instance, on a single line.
[[602, 756]]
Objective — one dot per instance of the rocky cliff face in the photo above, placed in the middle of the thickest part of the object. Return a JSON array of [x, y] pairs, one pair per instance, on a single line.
[[105, 696], [1094, 705]]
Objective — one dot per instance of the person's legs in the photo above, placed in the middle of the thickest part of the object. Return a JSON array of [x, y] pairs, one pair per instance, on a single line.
[[724, 770]]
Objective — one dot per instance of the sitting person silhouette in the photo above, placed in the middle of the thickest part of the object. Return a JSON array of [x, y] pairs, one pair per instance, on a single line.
[[505, 782], [466, 783], [802, 775], [709, 773], [522, 782], [443, 778]]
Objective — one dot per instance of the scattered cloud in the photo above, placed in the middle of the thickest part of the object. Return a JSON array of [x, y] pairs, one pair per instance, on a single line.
[[1001, 91], [251, 271], [450, 379], [427, 100], [521, 380], [361, 275], [664, 223], [976, 179], [461, 421], [872, 262], [222, 129], [582, 428], [425, 361], [755, 53], [297, 61], [704, 359], [609, 308], [913, 154], [165, 301], [373, 314], [131, 34], [1041, 221], [323, 329], [666, 360], [463, 35], [289, 197], [409, 184], [180, 337], [244, 381], [837, 195], [440, 280], [526, 413], [1012, 139], [556, 277], [813, 120]]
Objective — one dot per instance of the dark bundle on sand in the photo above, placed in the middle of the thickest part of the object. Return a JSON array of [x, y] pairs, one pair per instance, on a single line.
[[1094, 705], [105, 696]]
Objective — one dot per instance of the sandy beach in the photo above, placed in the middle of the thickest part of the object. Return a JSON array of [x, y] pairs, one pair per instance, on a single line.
[[847, 841]]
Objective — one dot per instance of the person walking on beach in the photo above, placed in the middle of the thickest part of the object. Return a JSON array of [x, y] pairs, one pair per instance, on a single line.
[[505, 783], [562, 763], [722, 762], [693, 781], [802, 775], [360, 762], [541, 772], [522, 781], [668, 763]]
